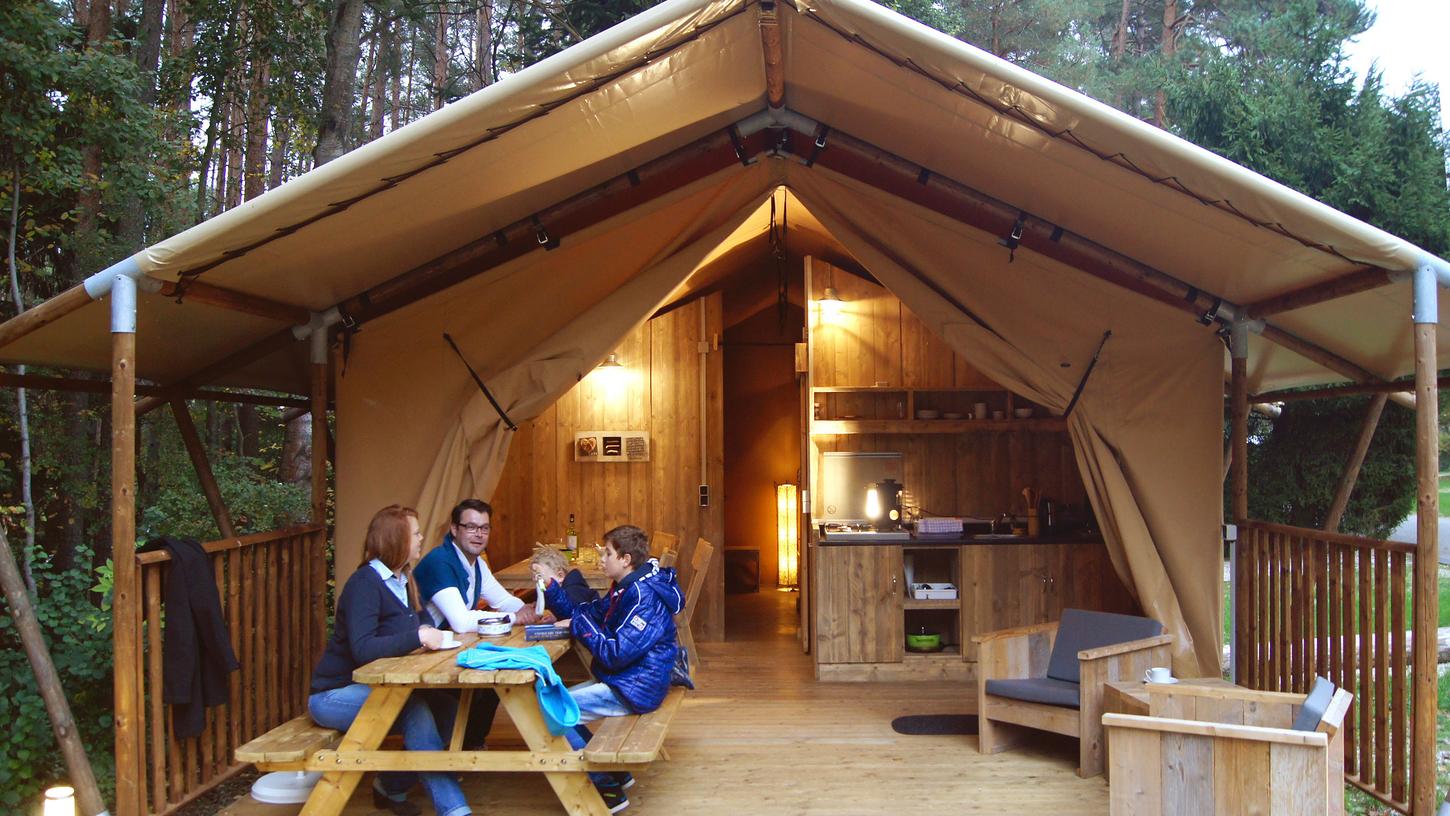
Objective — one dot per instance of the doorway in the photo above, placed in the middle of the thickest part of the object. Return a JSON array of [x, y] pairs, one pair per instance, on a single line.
[[763, 320]]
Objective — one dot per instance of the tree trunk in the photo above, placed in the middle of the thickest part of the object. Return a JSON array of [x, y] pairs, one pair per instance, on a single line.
[[22, 411], [343, 52], [382, 65], [255, 179], [1120, 35], [98, 27], [74, 513], [440, 59], [1168, 45], [131, 225], [277, 165], [297, 451], [483, 46]]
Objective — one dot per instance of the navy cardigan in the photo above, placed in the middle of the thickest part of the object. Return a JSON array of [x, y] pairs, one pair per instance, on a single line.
[[370, 623]]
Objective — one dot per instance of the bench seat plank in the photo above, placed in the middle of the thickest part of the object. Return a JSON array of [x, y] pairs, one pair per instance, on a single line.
[[291, 742], [637, 739]]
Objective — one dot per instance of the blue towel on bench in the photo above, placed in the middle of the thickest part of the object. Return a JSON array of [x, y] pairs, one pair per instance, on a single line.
[[561, 713]]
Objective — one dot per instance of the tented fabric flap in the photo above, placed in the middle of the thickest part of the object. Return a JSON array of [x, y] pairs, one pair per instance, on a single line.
[[1148, 427], [541, 324]]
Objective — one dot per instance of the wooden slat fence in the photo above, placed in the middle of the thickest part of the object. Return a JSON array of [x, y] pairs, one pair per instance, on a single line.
[[272, 588], [1312, 603]]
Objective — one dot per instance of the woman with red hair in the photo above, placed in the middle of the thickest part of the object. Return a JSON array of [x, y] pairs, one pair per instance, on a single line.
[[377, 617]]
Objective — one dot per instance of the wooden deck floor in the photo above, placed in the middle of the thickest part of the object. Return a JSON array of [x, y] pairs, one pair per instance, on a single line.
[[761, 736]]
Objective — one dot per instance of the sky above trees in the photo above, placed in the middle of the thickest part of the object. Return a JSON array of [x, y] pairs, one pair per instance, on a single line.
[[1407, 39]]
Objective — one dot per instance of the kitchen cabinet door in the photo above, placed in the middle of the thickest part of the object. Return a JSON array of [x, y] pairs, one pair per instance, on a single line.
[[858, 604]]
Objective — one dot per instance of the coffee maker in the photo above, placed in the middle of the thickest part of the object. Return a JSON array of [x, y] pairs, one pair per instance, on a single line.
[[883, 505]]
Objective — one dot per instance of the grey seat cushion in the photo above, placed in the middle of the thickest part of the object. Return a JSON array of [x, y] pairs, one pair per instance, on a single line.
[[1038, 690], [1314, 705], [1081, 629]]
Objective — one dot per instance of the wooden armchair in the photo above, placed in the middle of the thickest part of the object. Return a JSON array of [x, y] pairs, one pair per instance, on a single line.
[[1229, 751], [1050, 677], [699, 569]]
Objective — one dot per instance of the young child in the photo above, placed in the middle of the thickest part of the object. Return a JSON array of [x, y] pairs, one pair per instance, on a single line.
[[549, 566], [631, 633]]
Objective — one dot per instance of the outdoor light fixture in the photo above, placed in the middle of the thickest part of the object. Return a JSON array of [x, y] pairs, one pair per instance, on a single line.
[[612, 374], [60, 801], [831, 304], [787, 536]]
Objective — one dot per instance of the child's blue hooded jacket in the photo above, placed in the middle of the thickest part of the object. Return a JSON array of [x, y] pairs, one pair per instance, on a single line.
[[631, 633]]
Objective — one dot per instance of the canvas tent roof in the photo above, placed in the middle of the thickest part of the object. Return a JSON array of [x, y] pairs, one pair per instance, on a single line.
[[447, 198]]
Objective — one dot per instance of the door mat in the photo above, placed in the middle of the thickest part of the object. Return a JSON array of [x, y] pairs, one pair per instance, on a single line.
[[933, 724]]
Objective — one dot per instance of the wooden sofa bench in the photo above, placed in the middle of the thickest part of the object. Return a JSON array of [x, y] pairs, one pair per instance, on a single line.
[[288, 746], [624, 743]]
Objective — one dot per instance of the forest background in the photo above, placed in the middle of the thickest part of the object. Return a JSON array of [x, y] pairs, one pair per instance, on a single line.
[[125, 121]]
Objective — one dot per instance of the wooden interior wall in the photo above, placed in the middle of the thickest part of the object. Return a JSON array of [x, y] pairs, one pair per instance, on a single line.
[[762, 408], [878, 341], [542, 484]]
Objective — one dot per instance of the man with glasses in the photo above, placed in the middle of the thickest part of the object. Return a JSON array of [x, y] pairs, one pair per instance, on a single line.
[[456, 587]]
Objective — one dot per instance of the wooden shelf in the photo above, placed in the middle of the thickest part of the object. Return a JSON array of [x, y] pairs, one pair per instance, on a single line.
[[949, 652], [913, 603], [829, 427]]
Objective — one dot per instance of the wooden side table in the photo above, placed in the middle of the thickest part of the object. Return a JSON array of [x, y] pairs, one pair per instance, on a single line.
[[1131, 697]]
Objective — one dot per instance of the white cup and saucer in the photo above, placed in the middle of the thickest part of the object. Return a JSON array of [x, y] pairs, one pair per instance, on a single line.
[[1159, 674], [449, 641]]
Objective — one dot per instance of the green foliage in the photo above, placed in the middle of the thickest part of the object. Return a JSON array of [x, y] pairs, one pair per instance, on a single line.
[[78, 635], [1295, 464]]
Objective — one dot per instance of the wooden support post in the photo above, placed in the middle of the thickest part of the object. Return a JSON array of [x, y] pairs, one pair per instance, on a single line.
[[320, 439], [125, 600], [1238, 445], [1350, 476], [204, 473], [1239, 439], [1427, 554], [61, 721]]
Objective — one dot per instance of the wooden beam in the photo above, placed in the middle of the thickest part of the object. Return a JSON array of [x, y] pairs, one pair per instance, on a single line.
[[774, 62], [267, 345], [204, 474], [572, 215], [1423, 747], [199, 292], [1347, 390], [894, 175], [125, 603], [43, 313], [47, 680], [1350, 476], [104, 387], [1361, 280]]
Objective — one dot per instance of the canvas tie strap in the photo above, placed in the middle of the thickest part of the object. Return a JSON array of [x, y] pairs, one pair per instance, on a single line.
[[491, 401]]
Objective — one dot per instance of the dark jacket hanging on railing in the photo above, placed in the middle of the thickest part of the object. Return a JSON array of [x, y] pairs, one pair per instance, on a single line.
[[197, 654]]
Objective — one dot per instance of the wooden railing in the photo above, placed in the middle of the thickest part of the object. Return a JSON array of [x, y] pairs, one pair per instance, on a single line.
[[1312, 603], [272, 593]]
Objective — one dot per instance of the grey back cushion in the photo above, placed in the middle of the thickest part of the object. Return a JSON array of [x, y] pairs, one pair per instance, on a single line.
[[1081, 629], [1314, 705]]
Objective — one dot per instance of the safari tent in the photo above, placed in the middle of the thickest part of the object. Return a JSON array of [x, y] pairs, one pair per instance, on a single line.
[[542, 220]]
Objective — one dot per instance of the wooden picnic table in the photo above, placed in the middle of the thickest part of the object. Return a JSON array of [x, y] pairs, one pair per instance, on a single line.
[[518, 576], [394, 679]]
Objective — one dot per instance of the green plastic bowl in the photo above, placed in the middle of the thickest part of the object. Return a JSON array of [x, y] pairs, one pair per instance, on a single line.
[[926, 641]]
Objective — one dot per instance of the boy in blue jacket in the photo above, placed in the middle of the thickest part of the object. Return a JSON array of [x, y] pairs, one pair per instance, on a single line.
[[631, 633]]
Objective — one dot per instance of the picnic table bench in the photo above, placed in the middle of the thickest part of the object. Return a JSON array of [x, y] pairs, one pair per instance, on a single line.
[[619, 743]]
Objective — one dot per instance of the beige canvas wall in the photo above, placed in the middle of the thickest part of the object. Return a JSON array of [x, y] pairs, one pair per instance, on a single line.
[[542, 483]]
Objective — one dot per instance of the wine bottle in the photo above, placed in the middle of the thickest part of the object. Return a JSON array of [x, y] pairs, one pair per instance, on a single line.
[[571, 536]]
